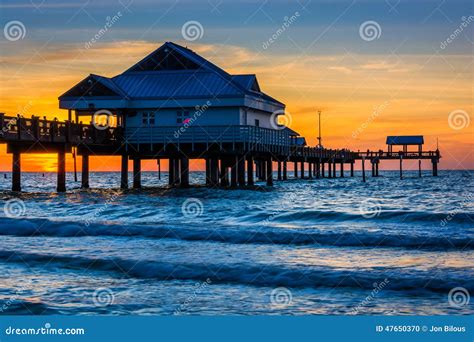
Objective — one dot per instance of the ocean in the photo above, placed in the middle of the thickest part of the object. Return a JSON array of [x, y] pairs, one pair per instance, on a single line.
[[328, 246]]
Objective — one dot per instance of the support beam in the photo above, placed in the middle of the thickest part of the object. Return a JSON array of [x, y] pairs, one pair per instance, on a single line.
[[310, 170], [401, 167], [285, 170], [377, 168], [124, 172], [329, 169], [435, 167], [177, 172], [61, 185], [224, 173], [214, 171], [302, 169], [342, 169], [322, 170], [137, 173], [241, 171], [250, 180], [184, 172], [372, 162], [352, 169], [233, 172], [318, 169], [334, 169], [279, 171], [171, 171], [419, 168], [85, 171], [269, 170], [208, 171], [363, 169], [295, 167], [158, 163], [16, 171]]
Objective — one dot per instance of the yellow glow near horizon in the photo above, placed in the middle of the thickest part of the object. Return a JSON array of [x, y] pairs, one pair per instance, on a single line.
[[363, 98]]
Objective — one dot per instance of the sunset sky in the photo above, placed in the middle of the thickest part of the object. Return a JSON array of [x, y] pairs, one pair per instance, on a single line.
[[406, 80]]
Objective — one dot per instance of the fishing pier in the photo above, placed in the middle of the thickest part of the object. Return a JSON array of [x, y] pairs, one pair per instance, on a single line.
[[235, 156], [176, 105]]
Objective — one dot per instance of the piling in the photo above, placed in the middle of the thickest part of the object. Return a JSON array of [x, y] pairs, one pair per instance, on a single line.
[[363, 169], [124, 172], [61, 185], [16, 171], [250, 180], [285, 170], [184, 172], [85, 171], [137, 173], [352, 169], [295, 167], [241, 171], [401, 167], [269, 175], [342, 169], [279, 171], [419, 168]]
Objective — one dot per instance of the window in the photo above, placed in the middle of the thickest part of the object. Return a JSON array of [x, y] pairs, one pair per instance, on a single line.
[[257, 122], [182, 117], [148, 118]]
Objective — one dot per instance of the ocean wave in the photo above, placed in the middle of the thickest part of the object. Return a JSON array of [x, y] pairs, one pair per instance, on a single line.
[[397, 279], [397, 216], [277, 236]]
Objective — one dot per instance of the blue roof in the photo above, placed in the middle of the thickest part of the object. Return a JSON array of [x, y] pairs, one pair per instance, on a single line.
[[189, 75], [405, 140], [166, 84]]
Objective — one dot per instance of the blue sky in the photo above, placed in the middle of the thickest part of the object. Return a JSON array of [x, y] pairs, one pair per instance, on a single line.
[[417, 25]]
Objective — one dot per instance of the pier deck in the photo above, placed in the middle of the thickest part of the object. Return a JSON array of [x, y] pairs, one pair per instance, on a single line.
[[238, 152]]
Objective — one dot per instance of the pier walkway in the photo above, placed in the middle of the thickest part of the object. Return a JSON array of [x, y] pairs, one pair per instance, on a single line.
[[234, 155]]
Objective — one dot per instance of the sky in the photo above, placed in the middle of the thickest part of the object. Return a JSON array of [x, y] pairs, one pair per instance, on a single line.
[[374, 68]]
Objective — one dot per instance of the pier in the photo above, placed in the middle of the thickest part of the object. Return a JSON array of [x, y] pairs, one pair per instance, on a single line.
[[176, 105], [235, 156]]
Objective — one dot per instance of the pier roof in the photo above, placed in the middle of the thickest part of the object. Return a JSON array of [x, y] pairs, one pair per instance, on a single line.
[[170, 72], [405, 140]]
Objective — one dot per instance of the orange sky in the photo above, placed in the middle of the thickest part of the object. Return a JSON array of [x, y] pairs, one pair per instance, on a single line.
[[364, 98]]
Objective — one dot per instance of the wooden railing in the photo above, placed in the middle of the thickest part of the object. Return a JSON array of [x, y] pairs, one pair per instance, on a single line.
[[396, 155], [250, 137], [41, 130]]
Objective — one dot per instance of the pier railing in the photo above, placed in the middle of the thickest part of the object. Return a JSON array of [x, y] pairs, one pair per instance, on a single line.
[[253, 137], [395, 155], [16, 128]]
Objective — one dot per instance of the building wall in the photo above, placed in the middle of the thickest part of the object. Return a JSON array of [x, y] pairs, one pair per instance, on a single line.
[[251, 115], [204, 116]]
